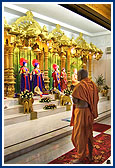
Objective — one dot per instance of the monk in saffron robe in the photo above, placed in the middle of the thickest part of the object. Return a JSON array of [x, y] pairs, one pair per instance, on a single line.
[[85, 99]]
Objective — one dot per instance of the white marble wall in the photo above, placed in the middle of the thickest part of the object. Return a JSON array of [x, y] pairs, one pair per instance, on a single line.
[[103, 66]]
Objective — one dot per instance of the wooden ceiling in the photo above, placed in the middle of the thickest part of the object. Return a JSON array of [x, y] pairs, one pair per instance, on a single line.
[[99, 13]]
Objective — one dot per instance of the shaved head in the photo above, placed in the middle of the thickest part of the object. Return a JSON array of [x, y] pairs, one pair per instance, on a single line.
[[82, 73]]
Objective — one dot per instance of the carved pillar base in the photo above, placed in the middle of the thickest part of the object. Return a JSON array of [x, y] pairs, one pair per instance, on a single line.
[[6, 71], [11, 82], [46, 80], [5, 89], [11, 89], [11, 79]]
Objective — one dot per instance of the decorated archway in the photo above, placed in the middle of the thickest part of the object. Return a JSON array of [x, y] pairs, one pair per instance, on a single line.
[[25, 38]]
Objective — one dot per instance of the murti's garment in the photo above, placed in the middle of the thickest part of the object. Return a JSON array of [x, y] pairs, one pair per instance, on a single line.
[[25, 79], [82, 118], [56, 79], [37, 79], [63, 81]]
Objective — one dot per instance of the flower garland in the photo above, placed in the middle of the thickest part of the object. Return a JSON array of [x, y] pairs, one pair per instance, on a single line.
[[50, 106], [67, 92], [45, 99], [26, 95]]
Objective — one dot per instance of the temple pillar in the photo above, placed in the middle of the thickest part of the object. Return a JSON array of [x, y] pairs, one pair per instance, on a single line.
[[90, 64], [63, 58], [41, 59], [46, 79], [37, 56], [68, 67], [6, 69], [11, 79], [84, 62]]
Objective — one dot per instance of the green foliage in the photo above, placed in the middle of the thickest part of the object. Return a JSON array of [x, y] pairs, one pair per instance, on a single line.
[[106, 87], [100, 80]]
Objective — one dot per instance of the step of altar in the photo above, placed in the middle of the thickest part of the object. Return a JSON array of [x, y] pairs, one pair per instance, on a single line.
[[20, 117], [104, 106], [13, 107], [23, 137], [36, 105], [102, 98], [36, 133], [9, 102], [103, 115]]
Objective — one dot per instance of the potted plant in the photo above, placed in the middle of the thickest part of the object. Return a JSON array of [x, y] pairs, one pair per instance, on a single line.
[[105, 90], [100, 82]]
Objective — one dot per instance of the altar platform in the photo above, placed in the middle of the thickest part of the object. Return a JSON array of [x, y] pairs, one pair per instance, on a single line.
[[22, 135]]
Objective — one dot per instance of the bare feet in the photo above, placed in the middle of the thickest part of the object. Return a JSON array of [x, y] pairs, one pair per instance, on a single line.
[[76, 161], [90, 158]]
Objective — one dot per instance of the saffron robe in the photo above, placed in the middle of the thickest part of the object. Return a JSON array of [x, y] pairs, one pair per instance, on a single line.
[[56, 80], [37, 79], [82, 118], [63, 81], [25, 79]]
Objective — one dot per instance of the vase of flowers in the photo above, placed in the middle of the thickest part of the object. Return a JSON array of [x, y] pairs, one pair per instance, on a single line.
[[105, 90], [67, 92], [26, 99]]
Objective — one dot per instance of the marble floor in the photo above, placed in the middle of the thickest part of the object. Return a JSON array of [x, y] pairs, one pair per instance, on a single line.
[[47, 153]]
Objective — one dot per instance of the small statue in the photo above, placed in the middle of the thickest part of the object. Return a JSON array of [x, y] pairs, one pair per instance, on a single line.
[[25, 76], [30, 102], [26, 99], [74, 79], [63, 78], [56, 77], [37, 76], [65, 100], [26, 106]]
